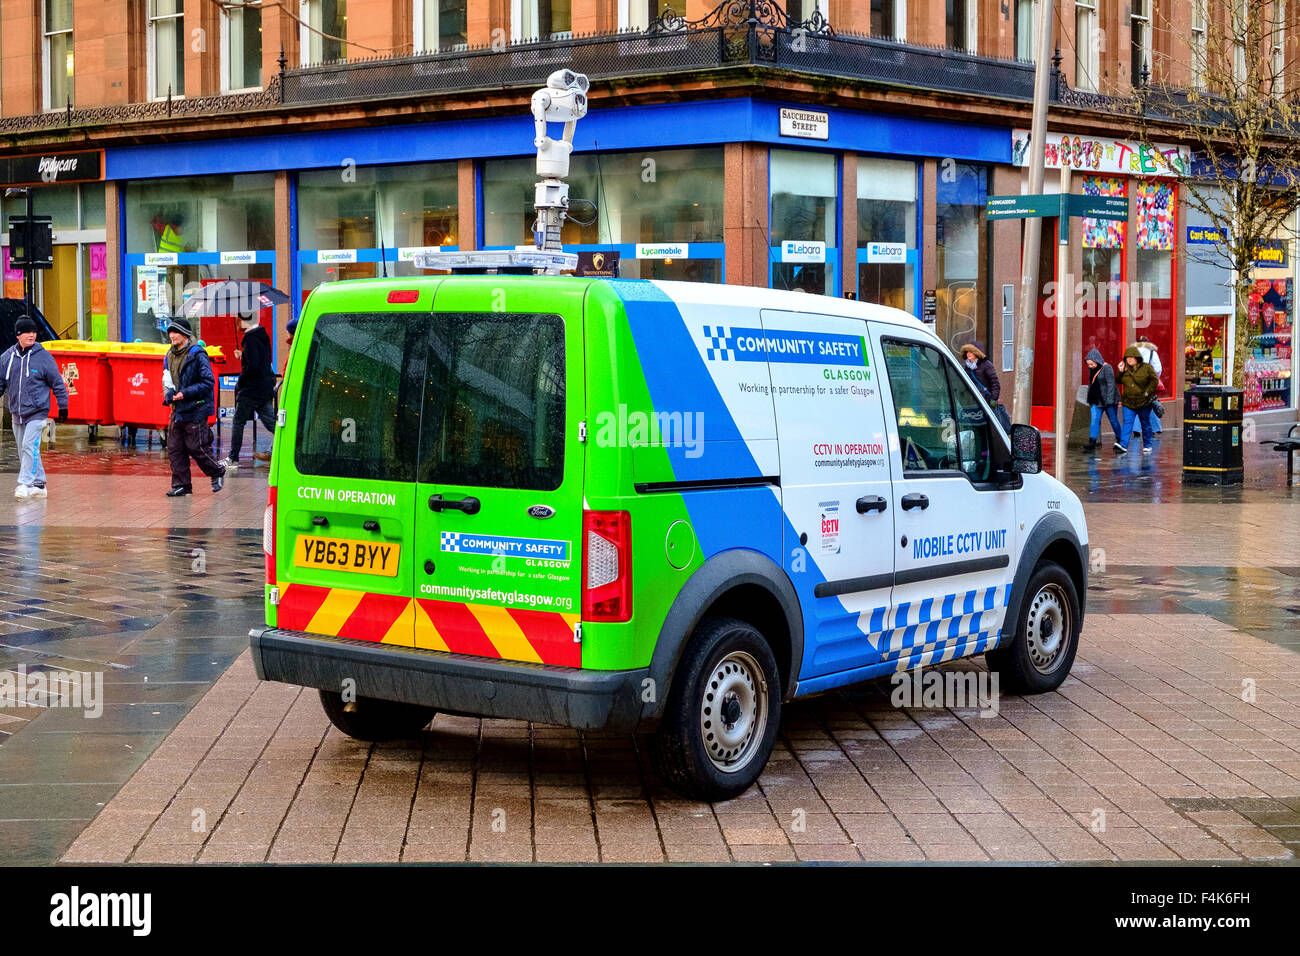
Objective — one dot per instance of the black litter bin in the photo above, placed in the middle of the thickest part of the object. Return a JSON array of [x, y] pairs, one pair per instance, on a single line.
[[1212, 435]]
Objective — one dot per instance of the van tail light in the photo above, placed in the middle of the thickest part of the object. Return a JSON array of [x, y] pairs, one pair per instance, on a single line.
[[606, 566], [268, 534]]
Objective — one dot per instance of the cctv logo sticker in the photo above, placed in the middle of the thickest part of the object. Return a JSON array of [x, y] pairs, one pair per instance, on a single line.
[[778, 345]]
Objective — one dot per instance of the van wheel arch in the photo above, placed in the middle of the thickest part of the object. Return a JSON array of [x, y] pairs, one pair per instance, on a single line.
[[742, 585], [1052, 539]]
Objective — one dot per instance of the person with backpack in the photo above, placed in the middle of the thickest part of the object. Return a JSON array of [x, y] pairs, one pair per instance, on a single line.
[[1151, 356], [255, 390], [1137, 385], [1103, 397], [189, 387], [27, 373]]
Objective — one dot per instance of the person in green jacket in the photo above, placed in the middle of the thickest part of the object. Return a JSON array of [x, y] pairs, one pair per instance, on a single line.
[[1137, 390]]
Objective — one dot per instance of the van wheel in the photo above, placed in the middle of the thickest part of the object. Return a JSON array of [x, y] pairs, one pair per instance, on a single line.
[[374, 720], [1040, 656], [722, 713]]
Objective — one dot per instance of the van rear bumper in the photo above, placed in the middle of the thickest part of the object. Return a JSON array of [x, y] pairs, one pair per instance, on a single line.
[[453, 683]]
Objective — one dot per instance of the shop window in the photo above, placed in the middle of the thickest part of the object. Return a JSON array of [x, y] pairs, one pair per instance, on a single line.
[[888, 19], [886, 259], [383, 211], [1102, 304], [541, 19], [1087, 41], [1277, 29], [1154, 295], [166, 42], [621, 200], [803, 212], [323, 30], [208, 216], [241, 41], [961, 254], [58, 54], [441, 25]]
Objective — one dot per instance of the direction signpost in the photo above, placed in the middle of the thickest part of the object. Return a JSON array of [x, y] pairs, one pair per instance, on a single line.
[[1065, 206]]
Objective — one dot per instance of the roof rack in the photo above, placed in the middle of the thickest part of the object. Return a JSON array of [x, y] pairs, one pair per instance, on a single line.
[[499, 262]]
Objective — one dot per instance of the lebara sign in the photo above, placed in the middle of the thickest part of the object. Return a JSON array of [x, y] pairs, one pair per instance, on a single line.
[[803, 250]]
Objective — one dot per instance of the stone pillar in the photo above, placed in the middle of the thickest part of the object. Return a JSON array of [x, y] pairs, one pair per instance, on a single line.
[[849, 223], [466, 205], [745, 220], [113, 259], [284, 264]]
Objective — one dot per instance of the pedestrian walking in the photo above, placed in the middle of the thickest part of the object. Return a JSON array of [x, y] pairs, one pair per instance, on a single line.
[[255, 390], [1137, 385], [189, 388], [1151, 355], [981, 371], [1103, 397], [27, 373]]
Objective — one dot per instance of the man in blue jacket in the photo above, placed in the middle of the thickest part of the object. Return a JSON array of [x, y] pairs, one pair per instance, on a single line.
[[189, 388], [27, 373]]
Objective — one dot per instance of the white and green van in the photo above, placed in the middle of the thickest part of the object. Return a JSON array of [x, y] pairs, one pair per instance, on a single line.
[[645, 506]]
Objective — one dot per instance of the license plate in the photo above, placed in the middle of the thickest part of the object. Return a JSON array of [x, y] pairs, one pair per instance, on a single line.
[[341, 554]]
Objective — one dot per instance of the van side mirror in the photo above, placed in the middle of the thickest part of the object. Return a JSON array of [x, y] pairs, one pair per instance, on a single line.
[[1026, 450]]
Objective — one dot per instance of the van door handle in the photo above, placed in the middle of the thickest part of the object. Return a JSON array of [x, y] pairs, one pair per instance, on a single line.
[[915, 501], [470, 505], [871, 503]]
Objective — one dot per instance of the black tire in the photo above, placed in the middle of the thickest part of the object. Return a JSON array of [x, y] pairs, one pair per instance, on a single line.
[[1046, 638], [724, 656], [375, 720]]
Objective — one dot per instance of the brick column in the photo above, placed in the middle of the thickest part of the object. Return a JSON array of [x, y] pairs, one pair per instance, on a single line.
[[284, 264], [929, 221], [113, 260], [202, 48], [849, 223], [466, 205], [21, 80], [745, 221], [278, 33]]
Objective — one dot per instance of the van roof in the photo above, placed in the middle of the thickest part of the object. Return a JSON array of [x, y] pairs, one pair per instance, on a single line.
[[695, 293]]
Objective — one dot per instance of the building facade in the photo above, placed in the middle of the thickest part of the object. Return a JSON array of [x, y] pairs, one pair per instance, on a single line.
[[845, 148]]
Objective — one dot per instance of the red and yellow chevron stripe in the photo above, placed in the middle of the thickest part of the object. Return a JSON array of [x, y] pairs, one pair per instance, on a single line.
[[483, 630]]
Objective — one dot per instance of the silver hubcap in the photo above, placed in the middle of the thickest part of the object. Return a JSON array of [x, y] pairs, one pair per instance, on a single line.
[[1048, 628], [733, 713]]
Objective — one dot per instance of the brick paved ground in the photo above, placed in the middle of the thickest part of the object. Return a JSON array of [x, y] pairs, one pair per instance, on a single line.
[[1147, 753]]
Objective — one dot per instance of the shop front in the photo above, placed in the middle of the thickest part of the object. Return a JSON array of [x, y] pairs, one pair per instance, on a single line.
[[68, 188]]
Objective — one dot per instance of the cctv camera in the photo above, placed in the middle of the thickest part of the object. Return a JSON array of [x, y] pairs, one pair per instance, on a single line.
[[568, 80]]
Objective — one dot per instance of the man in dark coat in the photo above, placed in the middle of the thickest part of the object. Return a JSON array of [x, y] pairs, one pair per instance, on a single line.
[[1103, 396], [189, 388], [255, 390], [981, 370], [1138, 383], [27, 374]]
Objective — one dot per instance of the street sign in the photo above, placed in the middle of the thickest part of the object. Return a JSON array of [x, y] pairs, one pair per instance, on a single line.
[[1099, 207], [1022, 207]]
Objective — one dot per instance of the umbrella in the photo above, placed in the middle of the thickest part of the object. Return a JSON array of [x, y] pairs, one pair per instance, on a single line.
[[233, 297]]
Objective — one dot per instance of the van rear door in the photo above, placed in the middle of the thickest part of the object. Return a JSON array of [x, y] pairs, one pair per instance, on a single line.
[[345, 468], [499, 503]]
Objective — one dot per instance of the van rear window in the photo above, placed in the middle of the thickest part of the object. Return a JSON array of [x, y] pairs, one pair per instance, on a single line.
[[361, 397], [494, 401]]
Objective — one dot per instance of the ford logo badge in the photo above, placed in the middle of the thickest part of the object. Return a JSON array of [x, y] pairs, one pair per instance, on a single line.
[[541, 511]]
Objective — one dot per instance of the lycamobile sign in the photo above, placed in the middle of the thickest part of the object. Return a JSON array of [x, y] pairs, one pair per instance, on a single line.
[[663, 250], [780, 345]]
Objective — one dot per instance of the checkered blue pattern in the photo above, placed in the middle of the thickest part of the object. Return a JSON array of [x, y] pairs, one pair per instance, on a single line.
[[450, 540], [939, 629], [721, 346]]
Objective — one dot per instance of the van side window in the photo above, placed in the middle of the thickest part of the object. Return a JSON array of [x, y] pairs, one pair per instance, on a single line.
[[922, 404], [941, 425], [494, 402], [360, 398]]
